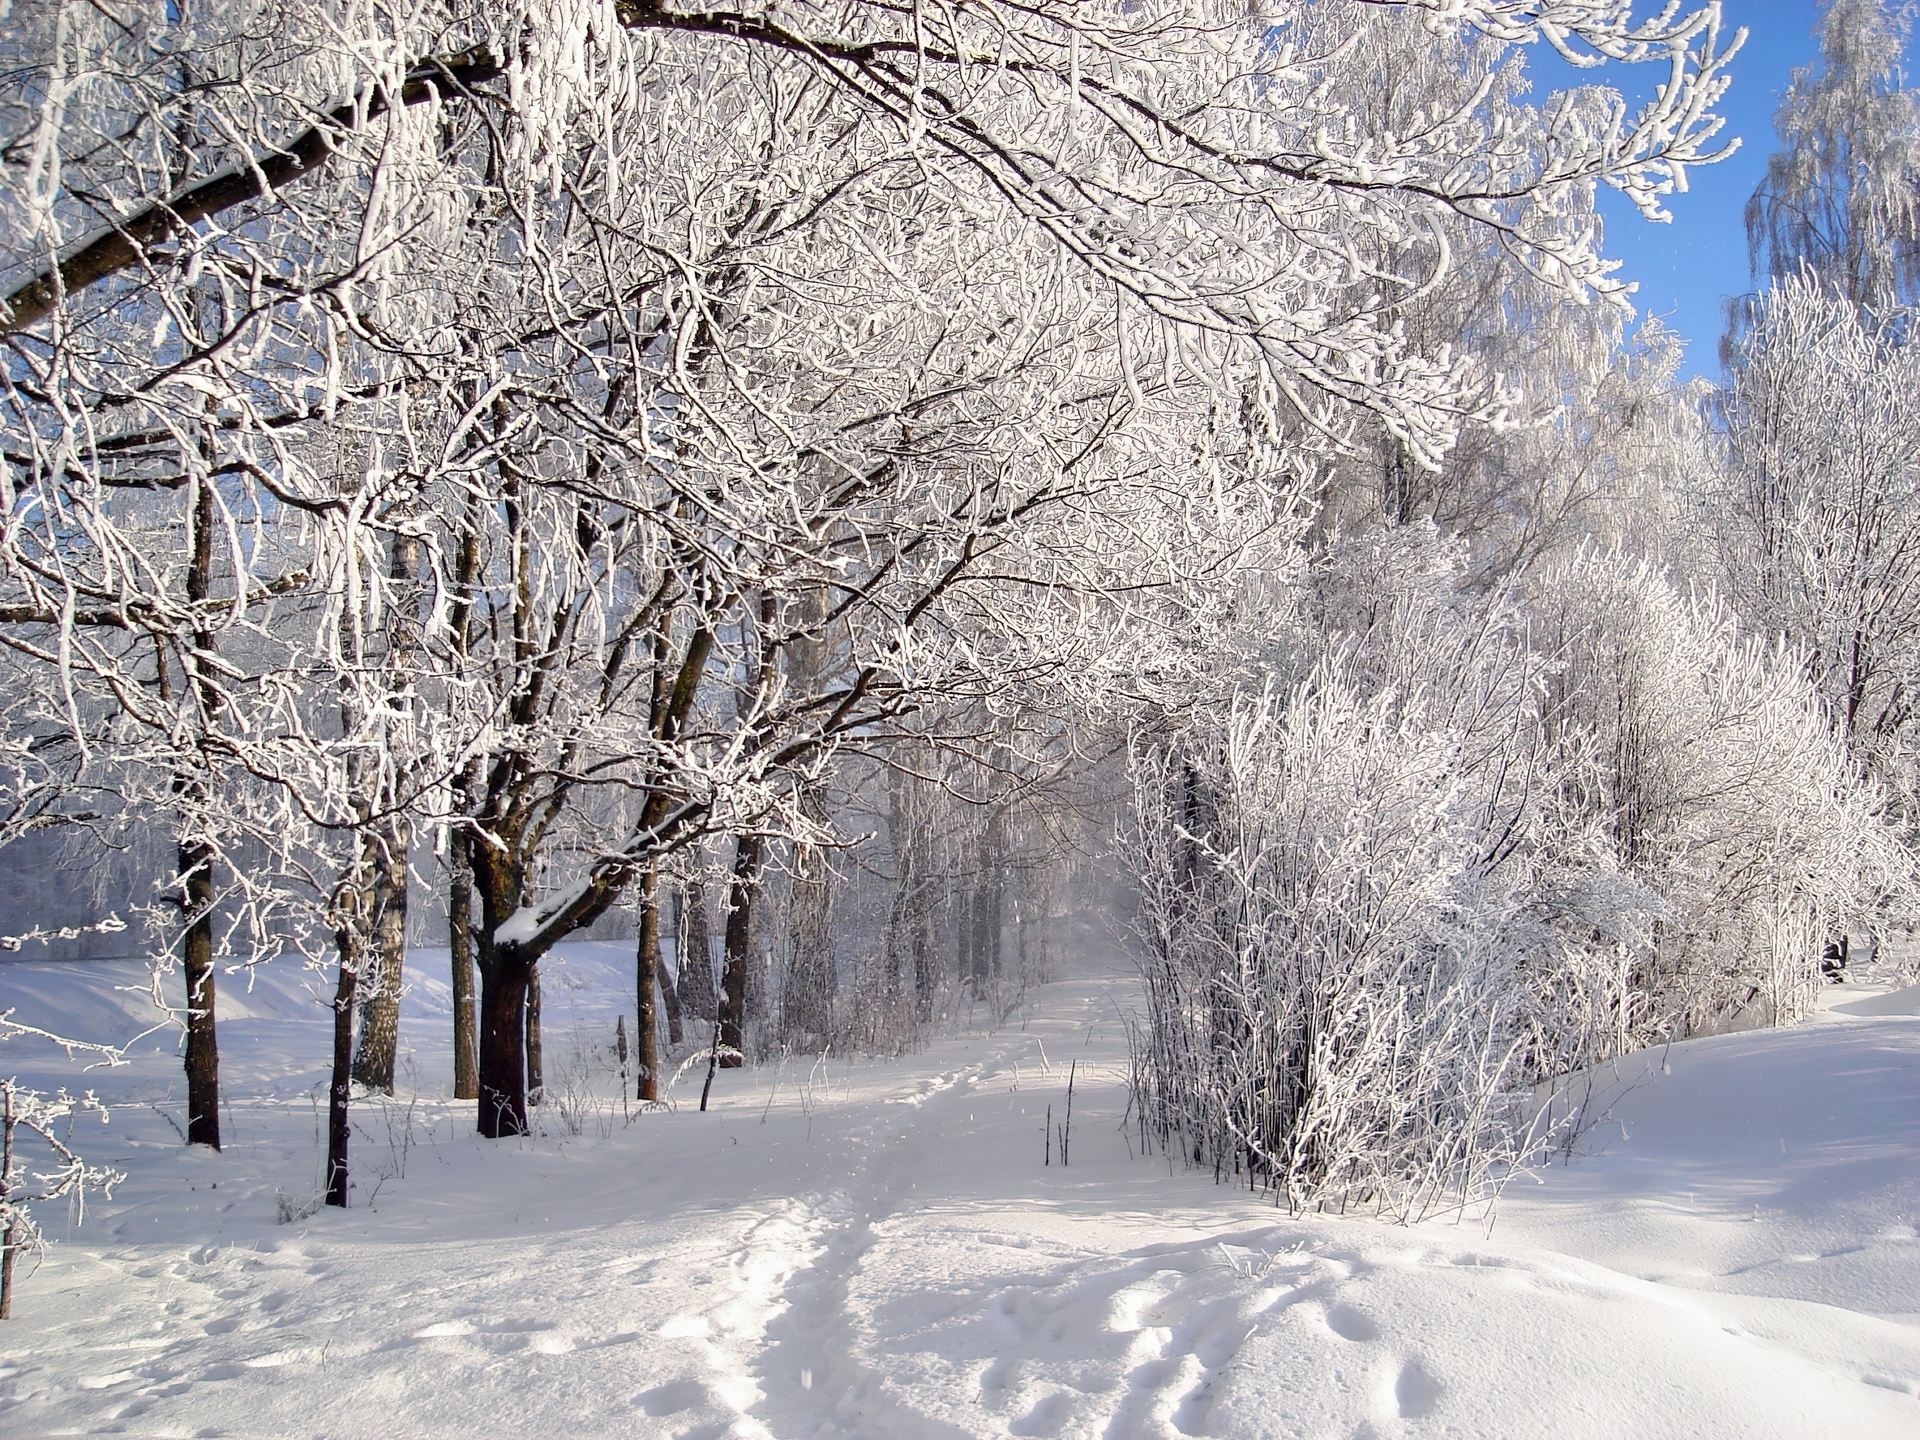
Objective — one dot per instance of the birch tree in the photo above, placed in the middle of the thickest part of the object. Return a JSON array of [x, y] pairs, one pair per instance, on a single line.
[[1839, 196]]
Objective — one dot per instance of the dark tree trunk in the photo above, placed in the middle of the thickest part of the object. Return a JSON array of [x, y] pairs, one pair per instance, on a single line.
[[460, 840], [196, 856], [503, 1040], [466, 1069], [203, 1050], [906, 885], [536, 1071], [995, 921], [977, 948], [340, 1087], [1396, 484], [733, 980], [646, 976], [6, 1193]]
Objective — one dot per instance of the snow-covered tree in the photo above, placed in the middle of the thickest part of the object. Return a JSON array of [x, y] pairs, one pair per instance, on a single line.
[[1840, 198], [1725, 793], [1358, 887], [1815, 513]]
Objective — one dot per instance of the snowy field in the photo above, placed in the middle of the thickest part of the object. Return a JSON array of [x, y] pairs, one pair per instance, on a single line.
[[877, 1249]]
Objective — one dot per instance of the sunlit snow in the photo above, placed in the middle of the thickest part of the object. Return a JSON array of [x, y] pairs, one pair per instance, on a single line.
[[876, 1248]]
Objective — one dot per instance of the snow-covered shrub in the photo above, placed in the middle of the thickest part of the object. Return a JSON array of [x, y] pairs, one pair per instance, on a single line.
[[1725, 791], [1346, 884], [1474, 847]]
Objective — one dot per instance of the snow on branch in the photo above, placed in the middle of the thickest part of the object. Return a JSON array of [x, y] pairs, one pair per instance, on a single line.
[[112, 925]]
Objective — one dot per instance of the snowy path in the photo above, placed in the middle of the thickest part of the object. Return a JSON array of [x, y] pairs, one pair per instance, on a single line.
[[876, 1250]]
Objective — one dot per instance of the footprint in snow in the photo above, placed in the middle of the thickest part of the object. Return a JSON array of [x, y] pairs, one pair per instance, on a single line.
[[1132, 1305], [999, 1375], [1350, 1324], [1046, 1418], [672, 1398], [1415, 1393], [444, 1329]]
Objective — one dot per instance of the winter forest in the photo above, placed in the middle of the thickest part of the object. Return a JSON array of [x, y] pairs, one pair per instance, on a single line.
[[879, 527]]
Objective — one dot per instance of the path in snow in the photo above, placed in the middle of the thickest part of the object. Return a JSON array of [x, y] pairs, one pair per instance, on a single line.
[[876, 1250]]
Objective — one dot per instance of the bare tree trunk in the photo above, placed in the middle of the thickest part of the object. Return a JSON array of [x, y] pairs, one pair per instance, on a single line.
[[466, 1069], [373, 1064], [960, 899], [995, 917], [466, 1064], [977, 947], [503, 1041], [196, 856], [1396, 483], [670, 993], [906, 884], [536, 1074], [647, 975], [380, 1022], [506, 975], [733, 980], [806, 996], [920, 915], [203, 1050], [6, 1193], [340, 1087], [926, 978]]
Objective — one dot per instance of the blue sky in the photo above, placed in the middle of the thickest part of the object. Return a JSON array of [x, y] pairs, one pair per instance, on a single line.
[[1685, 269]]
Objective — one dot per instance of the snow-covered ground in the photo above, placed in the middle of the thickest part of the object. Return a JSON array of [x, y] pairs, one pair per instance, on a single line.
[[877, 1249]]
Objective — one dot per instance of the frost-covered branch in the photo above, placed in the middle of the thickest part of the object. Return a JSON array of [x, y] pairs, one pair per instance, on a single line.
[[23, 1184]]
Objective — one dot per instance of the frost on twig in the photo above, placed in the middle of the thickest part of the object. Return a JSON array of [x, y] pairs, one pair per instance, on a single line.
[[112, 925]]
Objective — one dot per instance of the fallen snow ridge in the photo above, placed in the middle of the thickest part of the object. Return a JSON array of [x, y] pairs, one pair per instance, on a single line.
[[876, 1249]]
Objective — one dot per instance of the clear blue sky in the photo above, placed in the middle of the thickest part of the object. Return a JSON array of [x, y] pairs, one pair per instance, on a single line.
[[1686, 268]]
